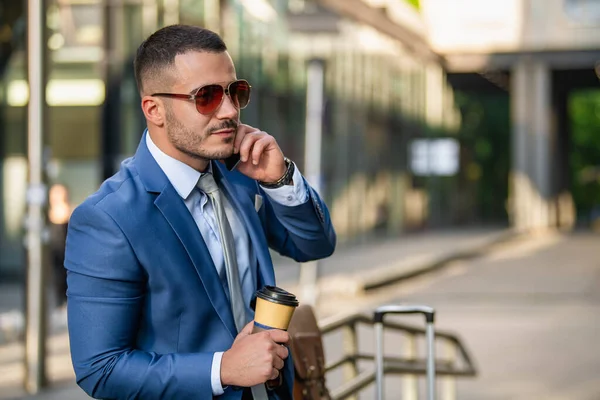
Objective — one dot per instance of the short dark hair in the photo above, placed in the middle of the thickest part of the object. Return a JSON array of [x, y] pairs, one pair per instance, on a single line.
[[159, 50]]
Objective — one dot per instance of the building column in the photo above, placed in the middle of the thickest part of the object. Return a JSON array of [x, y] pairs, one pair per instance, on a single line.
[[565, 206], [520, 182], [543, 140], [532, 204]]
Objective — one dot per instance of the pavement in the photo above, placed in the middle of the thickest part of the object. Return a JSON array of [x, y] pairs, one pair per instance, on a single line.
[[354, 270], [527, 312], [382, 261], [12, 320]]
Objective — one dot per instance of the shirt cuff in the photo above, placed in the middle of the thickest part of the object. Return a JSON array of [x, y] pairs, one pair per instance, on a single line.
[[290, 195], [215, 375]]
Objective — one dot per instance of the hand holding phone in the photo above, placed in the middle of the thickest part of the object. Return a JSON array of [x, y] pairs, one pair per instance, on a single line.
[[256, 155]]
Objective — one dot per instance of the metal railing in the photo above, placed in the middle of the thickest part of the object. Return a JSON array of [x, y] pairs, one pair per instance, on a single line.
[[454, 361]]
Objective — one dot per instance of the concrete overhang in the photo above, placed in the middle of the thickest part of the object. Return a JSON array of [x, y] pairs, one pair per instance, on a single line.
[[360, 11], [556, 60], [320, 20]]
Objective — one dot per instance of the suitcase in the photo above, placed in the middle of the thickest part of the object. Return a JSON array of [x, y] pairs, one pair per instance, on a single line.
[[378, 317]]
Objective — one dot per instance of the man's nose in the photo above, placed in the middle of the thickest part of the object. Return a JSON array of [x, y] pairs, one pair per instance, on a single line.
[[227, 110]]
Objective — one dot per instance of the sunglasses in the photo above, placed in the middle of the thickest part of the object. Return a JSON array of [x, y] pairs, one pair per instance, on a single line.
[[209, 98]]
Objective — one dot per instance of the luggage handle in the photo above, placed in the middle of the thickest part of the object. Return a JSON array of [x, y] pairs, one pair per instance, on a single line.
[[380, 312], [429, 313]]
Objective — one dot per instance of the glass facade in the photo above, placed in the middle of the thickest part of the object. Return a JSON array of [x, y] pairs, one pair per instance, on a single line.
[[378, 96]]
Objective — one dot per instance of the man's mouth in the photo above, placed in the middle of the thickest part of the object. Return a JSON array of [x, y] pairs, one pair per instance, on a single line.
[[224, 132]]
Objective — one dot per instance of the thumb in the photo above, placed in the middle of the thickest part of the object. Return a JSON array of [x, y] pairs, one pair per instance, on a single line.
[[246, 331], [248, 328]]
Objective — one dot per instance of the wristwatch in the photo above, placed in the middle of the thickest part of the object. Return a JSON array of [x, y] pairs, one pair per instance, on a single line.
[[286, 179]]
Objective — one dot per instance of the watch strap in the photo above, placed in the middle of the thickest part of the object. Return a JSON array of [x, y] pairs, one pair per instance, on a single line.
[[286, 179]]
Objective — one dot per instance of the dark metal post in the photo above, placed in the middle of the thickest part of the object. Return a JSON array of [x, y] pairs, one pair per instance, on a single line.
[[113, 78]]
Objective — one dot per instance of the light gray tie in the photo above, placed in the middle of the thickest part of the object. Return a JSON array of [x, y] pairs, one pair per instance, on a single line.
[[207, 184]]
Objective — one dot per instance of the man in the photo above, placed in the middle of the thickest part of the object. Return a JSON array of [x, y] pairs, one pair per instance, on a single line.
[[164, 260]]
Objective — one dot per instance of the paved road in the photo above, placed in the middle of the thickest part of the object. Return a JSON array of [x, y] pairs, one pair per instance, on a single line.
[[528, 313]]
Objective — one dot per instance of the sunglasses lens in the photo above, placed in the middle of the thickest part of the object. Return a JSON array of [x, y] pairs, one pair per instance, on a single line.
[[209, 98], [240, 93]]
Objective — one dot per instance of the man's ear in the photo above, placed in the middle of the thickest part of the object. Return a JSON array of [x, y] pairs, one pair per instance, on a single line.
[[154, 110]]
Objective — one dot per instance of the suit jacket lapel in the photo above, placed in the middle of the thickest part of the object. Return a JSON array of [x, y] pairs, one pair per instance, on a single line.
[[175, 212], [245, 208]]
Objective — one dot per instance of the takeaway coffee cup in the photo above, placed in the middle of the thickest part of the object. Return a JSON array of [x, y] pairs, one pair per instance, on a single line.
[[274, 310]]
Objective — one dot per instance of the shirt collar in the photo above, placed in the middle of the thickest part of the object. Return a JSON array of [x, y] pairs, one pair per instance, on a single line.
[[183, 177]]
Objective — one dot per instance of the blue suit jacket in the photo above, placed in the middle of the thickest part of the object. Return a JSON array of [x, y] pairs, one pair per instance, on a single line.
[[146, 308]]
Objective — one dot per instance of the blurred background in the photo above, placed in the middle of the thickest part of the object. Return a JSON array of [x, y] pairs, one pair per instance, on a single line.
[[446, 127]]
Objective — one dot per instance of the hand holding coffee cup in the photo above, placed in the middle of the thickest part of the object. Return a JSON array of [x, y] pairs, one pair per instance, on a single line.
[[274, 310], [254, 358]]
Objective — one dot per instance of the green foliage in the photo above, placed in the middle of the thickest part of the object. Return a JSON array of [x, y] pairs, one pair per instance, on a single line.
[[414, 3], [485, 139], [584, 154]]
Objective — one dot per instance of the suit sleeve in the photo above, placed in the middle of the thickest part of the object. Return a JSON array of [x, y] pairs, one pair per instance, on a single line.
[[303, 232], [106, 289]]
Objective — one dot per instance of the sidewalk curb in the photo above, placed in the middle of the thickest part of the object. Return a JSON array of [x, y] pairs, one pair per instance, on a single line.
[[375, 280], [381, 276]]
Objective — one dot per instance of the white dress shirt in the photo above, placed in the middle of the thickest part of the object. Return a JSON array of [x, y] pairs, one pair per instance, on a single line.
[[184, 179]]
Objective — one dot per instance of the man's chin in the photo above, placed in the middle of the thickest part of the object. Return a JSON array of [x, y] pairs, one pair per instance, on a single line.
[[215, 154], [221, 155]]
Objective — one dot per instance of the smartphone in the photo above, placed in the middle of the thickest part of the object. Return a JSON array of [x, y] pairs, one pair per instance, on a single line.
[[232, 162]]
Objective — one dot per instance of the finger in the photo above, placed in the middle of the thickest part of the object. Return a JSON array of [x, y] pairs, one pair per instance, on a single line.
[[247, 127], [259, 147], [282, 352], [239, 137], [278, 363], [279, 336], [242, 131], [247, 143], [247, 330], [274, 374]]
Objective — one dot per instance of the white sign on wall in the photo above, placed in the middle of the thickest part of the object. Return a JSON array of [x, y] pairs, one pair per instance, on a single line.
[[439, 157]]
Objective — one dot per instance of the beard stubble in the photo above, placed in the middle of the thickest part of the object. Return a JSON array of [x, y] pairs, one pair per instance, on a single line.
[[193, 144]]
